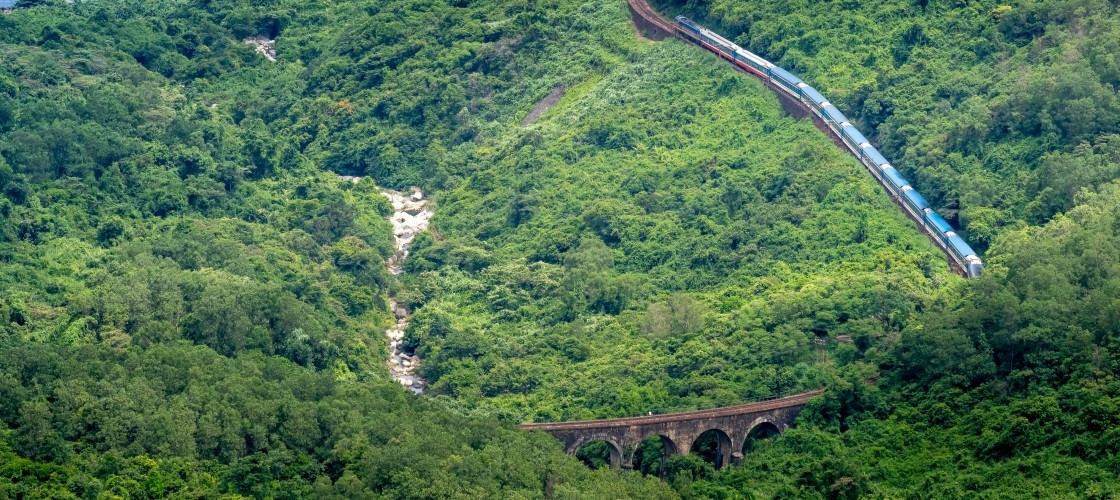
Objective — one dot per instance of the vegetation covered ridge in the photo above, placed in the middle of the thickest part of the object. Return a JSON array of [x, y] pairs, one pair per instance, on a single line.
[[999, 112], [192, 300]]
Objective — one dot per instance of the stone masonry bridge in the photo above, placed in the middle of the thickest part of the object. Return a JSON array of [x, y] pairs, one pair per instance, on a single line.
[[733, 425]]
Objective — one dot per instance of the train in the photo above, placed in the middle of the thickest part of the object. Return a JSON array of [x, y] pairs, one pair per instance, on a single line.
[[958, 250]]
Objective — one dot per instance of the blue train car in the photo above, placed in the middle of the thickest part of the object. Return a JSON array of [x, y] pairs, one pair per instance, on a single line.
[[973, 266], [959, 251], [815, 99], [914, 200], [785, 80], [894, 179], [853, 139], [874, 156], [834, 115], [811, 94], [834, 118], [938, 223], [959, 245], [687, 24]]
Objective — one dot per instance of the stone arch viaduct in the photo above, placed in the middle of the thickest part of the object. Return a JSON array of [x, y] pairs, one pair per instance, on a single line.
[[678, 431]]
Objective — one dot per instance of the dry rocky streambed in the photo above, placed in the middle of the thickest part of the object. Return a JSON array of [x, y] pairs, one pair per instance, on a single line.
[[410, 217]]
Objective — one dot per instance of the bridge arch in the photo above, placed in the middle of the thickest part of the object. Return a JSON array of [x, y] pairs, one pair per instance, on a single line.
[[666, 442], [614, 450], [760, 428], [713, 445], [650, 453]]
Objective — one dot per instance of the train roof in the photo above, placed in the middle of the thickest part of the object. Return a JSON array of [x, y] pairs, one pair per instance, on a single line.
[[834, 114], [875, 156], [853, 135], [939, 223], [785, 76], [753, 57], [687, 23], [812, 94], [915, 198], [723, 41], [960, 245], [895, 178]]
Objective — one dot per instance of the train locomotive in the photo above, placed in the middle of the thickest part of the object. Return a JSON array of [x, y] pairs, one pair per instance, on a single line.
[[959, 252]]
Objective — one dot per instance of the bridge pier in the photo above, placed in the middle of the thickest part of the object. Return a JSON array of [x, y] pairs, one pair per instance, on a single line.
[[616, 457], [736, 458]]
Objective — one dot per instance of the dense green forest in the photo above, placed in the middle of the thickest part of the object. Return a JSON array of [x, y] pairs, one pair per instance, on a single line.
[[1000, 112], [193, 302], [678, 257], [1006, 117]]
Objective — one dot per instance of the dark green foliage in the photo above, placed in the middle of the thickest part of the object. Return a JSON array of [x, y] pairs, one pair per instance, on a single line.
[[1011, 392], [649, 457], [596, 454], [1003, 116], [707, 447], [178, 419], [693, 268], [687, 468], [192, 305], [192, 301]]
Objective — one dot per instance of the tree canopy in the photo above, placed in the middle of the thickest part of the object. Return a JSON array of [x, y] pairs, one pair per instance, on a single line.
[[193, 300]]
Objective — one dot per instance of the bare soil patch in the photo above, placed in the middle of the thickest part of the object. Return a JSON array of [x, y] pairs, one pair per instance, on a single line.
[[545, 104]]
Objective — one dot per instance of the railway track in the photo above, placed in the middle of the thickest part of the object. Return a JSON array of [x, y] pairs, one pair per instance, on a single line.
[[798, 109], [652, 19], [795, 400]]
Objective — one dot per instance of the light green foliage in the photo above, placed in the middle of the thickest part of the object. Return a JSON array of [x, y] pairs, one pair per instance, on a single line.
[[655, 243], [192, 304], [192, 301]]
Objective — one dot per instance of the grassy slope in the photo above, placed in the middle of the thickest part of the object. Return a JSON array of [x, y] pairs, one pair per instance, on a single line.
[[702, 189]]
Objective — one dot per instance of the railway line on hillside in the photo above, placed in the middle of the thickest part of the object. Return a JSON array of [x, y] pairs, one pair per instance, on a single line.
[[642, 9], [793, 92]]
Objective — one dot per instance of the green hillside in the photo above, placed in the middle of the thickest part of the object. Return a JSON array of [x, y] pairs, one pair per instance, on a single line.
[[193, 303]]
